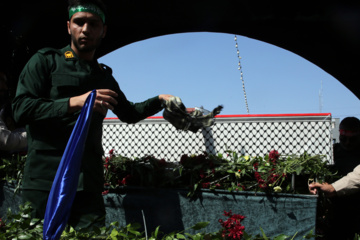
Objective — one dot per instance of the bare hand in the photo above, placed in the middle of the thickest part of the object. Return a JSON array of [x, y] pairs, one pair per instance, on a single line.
[[326, 188], [165, 97], [105, 99]]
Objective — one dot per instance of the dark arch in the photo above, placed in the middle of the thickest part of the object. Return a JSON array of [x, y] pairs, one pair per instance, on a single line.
[[327, 34]]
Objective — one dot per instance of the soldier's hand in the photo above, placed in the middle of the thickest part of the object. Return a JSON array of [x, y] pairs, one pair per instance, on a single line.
[[105, 99]]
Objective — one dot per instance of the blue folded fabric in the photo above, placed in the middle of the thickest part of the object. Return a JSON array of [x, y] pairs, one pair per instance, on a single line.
[[64, 187]]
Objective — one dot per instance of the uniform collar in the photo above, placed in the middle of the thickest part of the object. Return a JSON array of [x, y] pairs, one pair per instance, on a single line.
[[70, 55]]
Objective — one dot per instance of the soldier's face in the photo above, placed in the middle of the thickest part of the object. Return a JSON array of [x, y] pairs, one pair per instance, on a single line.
[[350, 142], [349, 138], [86, 30]]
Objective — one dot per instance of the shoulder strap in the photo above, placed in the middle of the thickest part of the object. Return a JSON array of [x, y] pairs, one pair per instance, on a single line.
[[49, 50], [105, 68]]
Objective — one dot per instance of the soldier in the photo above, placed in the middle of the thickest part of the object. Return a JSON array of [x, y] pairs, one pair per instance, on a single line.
[[52, 89]]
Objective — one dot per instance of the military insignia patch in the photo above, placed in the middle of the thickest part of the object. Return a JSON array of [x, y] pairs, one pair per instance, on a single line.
[[69, 54]]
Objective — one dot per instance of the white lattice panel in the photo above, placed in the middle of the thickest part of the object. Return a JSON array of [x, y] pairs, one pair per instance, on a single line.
[[249, 135]]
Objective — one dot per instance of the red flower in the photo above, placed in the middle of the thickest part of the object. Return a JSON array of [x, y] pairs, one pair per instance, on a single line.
[[105, 192], [162, 162], [232, 228], [261, 182], [202, 174], [205, 185], [236, 232], [273, 156], [107, 162], [126, 180], [238, 217], [227, 213]]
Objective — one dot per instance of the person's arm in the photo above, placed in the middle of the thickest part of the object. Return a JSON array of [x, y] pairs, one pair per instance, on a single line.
[[13, 141], [344, 186], [105, 99], [349, 183], [326, 188], [165, 97], [32, 101], [130, 112]]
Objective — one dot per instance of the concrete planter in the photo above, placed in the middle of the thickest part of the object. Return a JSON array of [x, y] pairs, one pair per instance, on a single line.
[[173, 210]]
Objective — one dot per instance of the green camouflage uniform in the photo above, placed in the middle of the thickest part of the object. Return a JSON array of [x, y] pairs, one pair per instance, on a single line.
[[45, 85]]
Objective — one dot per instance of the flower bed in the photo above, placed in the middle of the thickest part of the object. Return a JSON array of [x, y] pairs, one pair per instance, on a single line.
[[20, 226], [233, 172], [267, 182]]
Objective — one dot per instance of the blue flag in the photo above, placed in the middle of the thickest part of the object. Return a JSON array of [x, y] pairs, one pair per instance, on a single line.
[[64, 187]]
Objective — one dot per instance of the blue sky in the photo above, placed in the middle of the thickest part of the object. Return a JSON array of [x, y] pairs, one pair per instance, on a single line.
[[202, 69]]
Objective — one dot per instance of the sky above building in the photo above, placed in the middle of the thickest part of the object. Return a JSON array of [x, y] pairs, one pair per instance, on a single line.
[[203, 70]]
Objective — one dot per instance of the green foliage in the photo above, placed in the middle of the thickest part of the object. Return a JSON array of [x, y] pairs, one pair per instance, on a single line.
[[230, 171], [145, 172], [20, 226], [12, 168], [233, 172]]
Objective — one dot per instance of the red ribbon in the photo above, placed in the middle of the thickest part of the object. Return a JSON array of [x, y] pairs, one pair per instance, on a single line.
[[349, 133]]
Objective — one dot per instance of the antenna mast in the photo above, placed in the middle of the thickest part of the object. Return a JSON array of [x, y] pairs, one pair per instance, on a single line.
[[320, 97], [241, 74]]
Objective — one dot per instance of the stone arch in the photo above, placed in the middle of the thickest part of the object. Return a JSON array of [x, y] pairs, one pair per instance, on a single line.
[[326, 34]]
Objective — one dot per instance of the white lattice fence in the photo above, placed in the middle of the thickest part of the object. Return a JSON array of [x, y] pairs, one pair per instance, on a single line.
[[246, 134]]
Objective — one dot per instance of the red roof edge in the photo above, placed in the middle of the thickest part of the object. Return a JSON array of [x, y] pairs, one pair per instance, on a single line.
[[254, 115]]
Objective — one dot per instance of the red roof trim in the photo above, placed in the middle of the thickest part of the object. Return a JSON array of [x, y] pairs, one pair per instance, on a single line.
[[275, 115], [254, 115]]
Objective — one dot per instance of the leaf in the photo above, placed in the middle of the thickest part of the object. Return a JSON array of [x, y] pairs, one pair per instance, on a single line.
[[136, 233], [198, 236], [180, 171], [114, 233], [246, 235], [115, 224], [180, 236], [24, 236], [298, 170], [263, 234], [294, 236], [156, 232], [122, 235], [311, 235], [96, 230], [281, 237], [200, 225]]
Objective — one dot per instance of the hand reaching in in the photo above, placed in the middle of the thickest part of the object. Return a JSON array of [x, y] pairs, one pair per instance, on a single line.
[[326, 188]]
